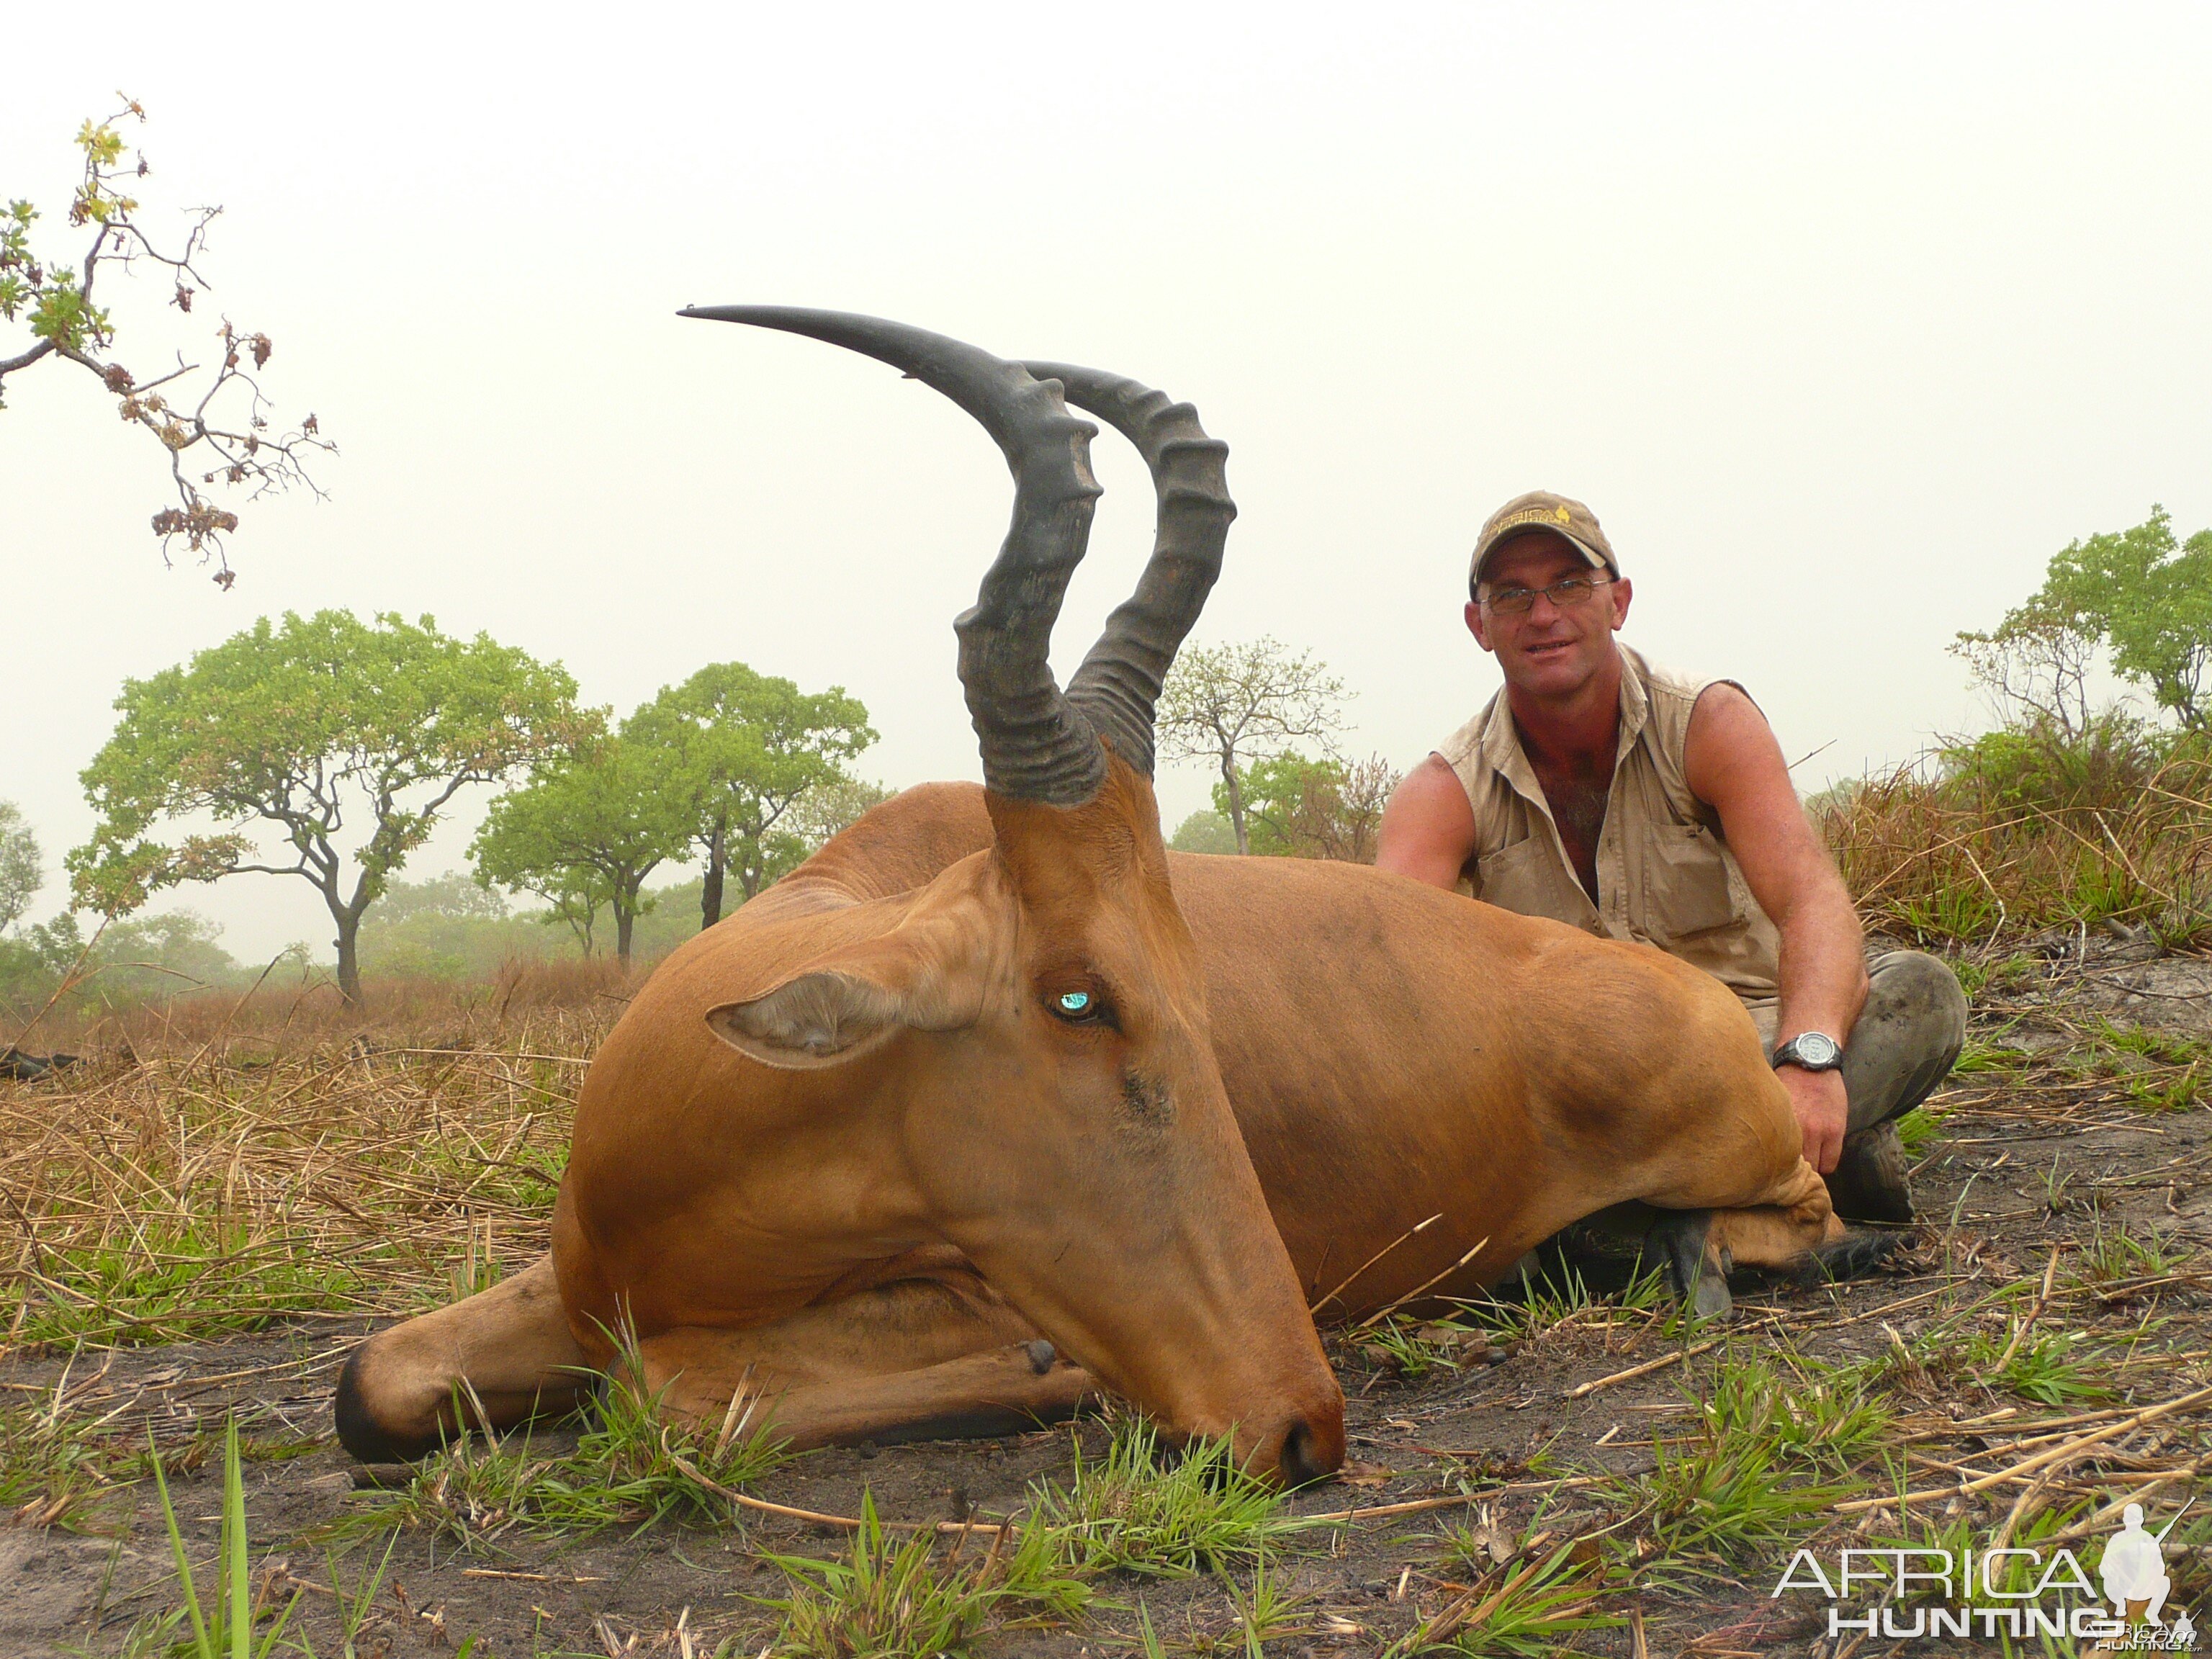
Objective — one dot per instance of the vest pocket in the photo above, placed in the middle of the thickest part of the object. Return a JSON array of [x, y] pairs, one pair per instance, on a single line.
[[1527, 878], [1685, 882]]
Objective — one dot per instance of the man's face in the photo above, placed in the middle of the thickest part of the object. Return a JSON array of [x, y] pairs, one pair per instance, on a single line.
[[1550, 650]]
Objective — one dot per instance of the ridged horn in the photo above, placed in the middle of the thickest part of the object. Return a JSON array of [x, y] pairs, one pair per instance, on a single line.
[[1036, 746], [1118, 687]]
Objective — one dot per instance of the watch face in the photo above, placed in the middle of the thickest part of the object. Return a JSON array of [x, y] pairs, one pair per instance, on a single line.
[[1815, 1048]]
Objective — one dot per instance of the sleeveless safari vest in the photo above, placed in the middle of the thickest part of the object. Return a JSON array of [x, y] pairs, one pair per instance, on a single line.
[[1665, 877]]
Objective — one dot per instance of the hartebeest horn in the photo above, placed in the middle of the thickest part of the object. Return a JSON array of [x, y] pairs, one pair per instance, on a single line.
[[1118, 686], [1035, 745]]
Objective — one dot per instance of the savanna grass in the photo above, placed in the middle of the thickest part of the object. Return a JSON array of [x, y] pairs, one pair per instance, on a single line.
[[2050, 1367], [1133, 1510], [1949, 855], [62, 1465], [630, 1467], [1415, 1348], [888, 1600], [1558, 1294], [2116, 1254], [1523, 1608], [221, 1613], [159, 1197], [1774, 1447], [58, 1469], [1136, 1509], [1919, 1130]]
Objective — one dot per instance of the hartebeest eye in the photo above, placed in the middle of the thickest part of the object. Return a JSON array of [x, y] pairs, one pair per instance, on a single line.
[[1079, 1005]]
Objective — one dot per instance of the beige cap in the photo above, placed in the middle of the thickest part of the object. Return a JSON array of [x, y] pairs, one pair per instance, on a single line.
[[1539, 509]]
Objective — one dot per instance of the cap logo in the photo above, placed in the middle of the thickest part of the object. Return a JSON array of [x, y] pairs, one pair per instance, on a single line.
[[1535, 515]]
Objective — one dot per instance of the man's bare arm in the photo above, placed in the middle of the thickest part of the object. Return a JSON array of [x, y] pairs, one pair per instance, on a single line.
[[1428, 828], [1732, 761]]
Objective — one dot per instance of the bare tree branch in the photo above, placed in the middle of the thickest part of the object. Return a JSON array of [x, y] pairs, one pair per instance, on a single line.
[[1233, 704], [225, 436]]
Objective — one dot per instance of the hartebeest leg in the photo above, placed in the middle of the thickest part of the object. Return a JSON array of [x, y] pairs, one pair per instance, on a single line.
[[1791, 1229], [506, 1351], [1008, 1390], [913, 1360], [1794, 1223]]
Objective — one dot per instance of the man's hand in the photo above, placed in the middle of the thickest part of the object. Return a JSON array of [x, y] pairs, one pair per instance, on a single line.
[[1823, 1112]]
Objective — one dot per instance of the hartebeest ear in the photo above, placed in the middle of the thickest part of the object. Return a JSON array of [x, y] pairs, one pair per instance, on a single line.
[[816, 1019], [838, 1009]]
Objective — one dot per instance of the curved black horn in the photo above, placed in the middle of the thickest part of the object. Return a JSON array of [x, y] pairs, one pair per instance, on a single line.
[[1118, 685], [1036, 746]]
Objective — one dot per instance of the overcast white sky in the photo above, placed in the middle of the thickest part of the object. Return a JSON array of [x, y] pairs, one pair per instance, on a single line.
[[1842, 319]]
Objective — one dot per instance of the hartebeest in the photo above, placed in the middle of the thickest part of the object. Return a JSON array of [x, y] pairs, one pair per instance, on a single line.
[[994, 1101]]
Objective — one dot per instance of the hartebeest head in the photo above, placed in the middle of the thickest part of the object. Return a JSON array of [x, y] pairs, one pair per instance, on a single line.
[[1035, 1018]]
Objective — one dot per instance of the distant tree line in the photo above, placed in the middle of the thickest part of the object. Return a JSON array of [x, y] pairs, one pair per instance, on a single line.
[[329, 749], [2139, 600], [743, 769], [2076, 807]]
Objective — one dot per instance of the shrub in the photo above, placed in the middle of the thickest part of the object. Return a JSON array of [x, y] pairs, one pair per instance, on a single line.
[[2032, 828]]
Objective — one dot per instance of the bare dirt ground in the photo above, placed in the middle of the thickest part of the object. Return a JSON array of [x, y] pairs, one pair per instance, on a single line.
[[2066, 1184]]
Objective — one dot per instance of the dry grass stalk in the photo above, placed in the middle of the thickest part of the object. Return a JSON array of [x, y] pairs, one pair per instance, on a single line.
[[2051, 1458], [206, 1183], [1942, 861]]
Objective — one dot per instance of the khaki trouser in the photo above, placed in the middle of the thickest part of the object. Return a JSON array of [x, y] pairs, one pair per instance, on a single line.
[[1906, 1040]]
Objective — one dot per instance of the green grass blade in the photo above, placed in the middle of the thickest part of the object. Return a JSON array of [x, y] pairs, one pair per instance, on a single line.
[[234, 1545], [202, 1639]]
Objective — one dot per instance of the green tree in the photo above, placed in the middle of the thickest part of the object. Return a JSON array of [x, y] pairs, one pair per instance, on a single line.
[[449, 927], [574, 898], [2141, 594], [2149, 598], [1313, 809], [1205, 831], [22, 867], [750, 748], [332, 731], [162, 955], [586, 832], [141, 958], [211, 419], [1231, 705]]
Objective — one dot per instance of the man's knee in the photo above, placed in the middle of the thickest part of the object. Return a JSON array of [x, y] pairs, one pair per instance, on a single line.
[[1907, 1039], [1921, 990]]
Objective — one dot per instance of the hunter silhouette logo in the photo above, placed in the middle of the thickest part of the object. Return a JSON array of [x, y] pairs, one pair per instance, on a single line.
[[2136, 1582]]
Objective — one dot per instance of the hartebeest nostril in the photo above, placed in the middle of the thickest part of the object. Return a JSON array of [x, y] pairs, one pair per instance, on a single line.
[[1298, 1463]]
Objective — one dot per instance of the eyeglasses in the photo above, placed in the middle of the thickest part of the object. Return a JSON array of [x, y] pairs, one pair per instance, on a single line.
[[1564, 595]]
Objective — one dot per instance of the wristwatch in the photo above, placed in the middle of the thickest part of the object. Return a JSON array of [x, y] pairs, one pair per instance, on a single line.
[[1814, 1051]]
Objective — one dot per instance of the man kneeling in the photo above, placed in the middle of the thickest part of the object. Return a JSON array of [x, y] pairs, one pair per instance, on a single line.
[[1637, 804]]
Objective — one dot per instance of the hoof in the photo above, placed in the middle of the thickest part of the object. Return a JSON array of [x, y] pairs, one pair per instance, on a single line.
[[361, 1434], [1695, 1273]]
